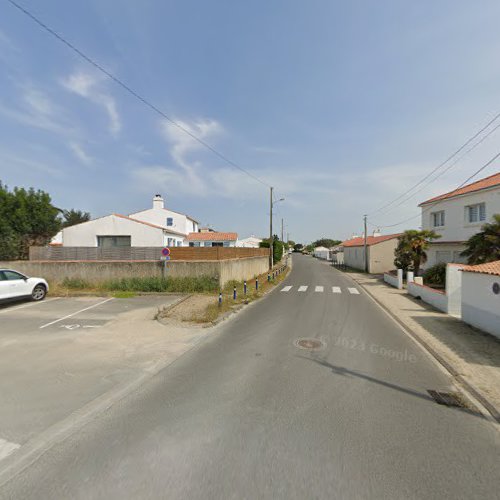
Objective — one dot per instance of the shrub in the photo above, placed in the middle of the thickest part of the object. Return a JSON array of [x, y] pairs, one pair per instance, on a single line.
[[436, 275], [76, 283], [160, 284]]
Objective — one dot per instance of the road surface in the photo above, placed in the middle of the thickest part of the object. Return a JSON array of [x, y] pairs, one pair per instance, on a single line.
[[249, 414]]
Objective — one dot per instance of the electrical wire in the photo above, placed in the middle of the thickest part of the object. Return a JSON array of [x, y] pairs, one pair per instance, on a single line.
[[126, 87], [464, 145], [432, 205]]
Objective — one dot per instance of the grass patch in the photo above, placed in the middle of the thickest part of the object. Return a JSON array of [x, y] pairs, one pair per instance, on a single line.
[[124, 295]]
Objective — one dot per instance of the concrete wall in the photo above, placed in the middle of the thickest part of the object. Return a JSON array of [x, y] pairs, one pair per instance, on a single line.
[[394, 280], [432, 297], [354, 257], [454, 289], [480, 306], [98, 271], [456, 227]]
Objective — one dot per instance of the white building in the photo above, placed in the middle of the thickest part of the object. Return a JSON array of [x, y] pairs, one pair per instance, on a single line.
[[164, 217], [321, 253], [457, 216], [250, 242], [212, 239], [481, 296], [156, 226]]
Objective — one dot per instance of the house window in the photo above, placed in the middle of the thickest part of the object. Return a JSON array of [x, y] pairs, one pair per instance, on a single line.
[[194, 244], [170, 242], [217, 244], [113, 241], [226, 244], [475, 213], [437, 219], [170, 221]]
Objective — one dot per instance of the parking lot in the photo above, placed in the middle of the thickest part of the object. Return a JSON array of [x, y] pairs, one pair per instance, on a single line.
[[58, 355]]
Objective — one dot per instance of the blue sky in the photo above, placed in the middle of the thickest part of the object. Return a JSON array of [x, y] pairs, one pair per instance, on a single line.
[[340, 105]]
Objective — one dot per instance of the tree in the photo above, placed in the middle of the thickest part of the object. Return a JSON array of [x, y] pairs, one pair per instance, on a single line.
[[277, 247], [73, 217], [484, 246], [410, 253], [27, 217], [326, 242], [298, 247]]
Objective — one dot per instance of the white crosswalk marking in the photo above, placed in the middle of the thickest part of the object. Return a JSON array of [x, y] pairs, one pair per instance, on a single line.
[[318, 289], [7, 448], [302, 288], [336, 289], [286, 288], [354, 291]]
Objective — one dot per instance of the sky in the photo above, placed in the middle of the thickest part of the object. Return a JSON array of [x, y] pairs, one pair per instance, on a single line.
[[340, 106]]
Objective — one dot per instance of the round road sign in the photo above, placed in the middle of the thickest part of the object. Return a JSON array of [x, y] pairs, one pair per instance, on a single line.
[[165, 252]]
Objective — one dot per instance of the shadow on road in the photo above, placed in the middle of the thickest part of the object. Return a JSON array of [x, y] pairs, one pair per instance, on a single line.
[[346, 372]]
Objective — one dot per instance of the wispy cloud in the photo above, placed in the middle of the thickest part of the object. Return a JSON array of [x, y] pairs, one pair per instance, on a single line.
[[81, 154], [90, 86]]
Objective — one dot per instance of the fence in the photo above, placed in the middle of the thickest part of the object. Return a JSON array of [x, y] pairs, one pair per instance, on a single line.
[[395, 280], [142, 253]]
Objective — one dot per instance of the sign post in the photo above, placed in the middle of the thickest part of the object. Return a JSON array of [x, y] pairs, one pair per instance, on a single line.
[[165, 256]]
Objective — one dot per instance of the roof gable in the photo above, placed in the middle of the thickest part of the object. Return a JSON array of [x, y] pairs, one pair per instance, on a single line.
[[487, 182]]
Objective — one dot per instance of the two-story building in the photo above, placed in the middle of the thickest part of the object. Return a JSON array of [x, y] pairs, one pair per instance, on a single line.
[[458, 215]]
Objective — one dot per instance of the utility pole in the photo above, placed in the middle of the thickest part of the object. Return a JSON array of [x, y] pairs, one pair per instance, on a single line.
[[271, 229], [365, 245], [282, 240]]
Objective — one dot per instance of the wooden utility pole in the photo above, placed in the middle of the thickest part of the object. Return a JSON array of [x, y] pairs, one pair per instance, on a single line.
[[271, 229], [282, 240], [365, 245]]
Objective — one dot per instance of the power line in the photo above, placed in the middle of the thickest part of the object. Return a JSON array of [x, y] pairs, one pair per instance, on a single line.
[[133, 92], [449, 167], [432, 205], [464, 145]]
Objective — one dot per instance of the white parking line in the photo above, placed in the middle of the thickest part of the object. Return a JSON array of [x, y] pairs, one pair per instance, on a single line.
[[77, 312], [336, 289], [302, 288], [354, 291], [318, 289], [7, 448], [46, 301], [286, 288]]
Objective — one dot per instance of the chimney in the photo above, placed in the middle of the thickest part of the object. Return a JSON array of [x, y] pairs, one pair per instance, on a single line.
[[158, 201], [377, 233]]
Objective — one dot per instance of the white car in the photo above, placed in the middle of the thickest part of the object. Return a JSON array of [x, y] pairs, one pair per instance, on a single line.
[[14, 285]]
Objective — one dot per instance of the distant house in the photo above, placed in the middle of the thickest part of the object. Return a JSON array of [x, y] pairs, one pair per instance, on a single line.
[[322, 253], [212, 239], [481, 296], [457, 216], [156, 226], [250, 242], [380, 252]]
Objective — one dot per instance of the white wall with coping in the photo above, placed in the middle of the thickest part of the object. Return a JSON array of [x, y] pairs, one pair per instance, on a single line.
[[394, 280], [480, 306], [430, 296]]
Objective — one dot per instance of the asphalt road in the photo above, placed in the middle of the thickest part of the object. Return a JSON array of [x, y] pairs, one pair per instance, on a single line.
[[248, 414]]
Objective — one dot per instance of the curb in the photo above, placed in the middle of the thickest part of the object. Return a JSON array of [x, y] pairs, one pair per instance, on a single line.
[[476, 393]]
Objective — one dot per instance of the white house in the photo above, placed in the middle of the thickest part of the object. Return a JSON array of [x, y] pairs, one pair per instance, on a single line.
[[481, 296], [164, 217], [250, 242], [212, 239], [117, 230], [321, 253], [457, 216], [156, 226]]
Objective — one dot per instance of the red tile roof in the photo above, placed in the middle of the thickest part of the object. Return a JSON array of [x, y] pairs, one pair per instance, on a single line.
[[371, 240], [148, 224], [487, 182], [488, 268], [215, 236]]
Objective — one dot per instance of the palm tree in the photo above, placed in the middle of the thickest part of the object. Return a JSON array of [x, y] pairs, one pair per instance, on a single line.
[[411, 249], [485, 245]]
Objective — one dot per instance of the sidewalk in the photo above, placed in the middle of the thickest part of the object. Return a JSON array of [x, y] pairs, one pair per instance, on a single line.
[[472, 356]]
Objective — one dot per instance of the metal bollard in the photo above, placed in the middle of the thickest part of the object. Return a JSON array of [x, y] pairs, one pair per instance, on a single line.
[[245, 287], [220, 299], [256, 283], [234, 293], [268, 277]]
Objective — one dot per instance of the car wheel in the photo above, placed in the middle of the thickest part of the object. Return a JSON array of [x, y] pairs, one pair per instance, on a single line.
[[38, 292]]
